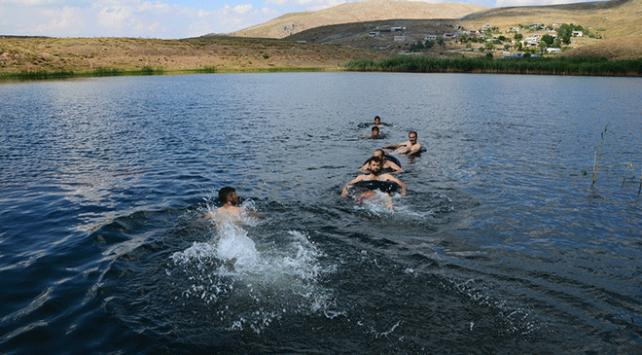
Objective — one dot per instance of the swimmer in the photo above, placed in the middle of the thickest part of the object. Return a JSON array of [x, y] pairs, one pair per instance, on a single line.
[[375, 133], [229, 210], [409, 147], [389, 163], [377, 122], [376, 180]]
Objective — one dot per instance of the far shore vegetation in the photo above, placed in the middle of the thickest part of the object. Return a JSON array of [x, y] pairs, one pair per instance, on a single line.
[[100, 72], [553, 66]]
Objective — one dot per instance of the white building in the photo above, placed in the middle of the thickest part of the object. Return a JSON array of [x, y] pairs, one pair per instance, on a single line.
[[430, 37], [399, 38], [553, 50], [532, 41], [577, 33]]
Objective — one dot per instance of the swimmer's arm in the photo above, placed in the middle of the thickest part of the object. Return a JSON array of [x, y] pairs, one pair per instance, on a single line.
[[344, 191], [364, 168], [254, 214], [415, 149], [394, 167], [398, 182]]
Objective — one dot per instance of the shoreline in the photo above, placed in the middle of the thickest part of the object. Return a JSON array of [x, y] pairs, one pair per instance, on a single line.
[[48, 75], [380, 66]]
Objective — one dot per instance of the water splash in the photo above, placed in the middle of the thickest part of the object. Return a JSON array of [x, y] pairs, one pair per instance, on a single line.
[[252, 282]]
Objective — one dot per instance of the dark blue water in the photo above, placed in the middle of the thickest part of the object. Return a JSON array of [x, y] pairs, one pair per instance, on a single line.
[[502, 244]]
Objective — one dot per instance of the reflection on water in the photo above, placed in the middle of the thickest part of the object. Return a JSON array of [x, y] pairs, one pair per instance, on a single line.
[[500, 245]]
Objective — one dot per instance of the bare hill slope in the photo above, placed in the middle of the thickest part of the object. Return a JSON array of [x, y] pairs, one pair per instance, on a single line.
[[369, 10]]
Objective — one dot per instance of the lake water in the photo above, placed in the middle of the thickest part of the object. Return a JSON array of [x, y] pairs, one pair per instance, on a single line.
[[501, 245]]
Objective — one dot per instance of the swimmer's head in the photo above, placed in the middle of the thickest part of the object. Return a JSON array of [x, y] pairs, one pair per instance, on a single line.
[[375, 166], [412, 137], [378, 154], [228, 195], [374, 132], [377, 120]]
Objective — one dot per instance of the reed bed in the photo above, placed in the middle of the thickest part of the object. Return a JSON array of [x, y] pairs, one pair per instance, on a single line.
[[555, 66]]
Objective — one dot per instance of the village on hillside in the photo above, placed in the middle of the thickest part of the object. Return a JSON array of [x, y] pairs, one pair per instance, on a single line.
[[530, 40], [447, 39]]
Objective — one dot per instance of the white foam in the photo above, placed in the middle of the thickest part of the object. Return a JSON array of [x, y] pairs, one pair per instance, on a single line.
[[252, 284]]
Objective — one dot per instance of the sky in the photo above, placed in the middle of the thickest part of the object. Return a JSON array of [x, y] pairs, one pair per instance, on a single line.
[[164, 18]]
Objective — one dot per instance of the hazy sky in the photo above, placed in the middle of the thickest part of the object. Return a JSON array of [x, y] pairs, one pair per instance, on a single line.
[[162, 18]]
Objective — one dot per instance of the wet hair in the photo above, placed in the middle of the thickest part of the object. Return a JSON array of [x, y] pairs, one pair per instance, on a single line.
[[383, 154], [415, 132], [377, 118], [375, 128], [223, 194]]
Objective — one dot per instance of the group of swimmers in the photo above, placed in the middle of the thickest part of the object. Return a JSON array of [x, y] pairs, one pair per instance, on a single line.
[[377, 175], [378, 169]]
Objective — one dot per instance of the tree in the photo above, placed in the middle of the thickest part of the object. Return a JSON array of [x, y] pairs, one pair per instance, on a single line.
[[518, 36], [440, 41], [548, 40], [564, 33], [542, 47]]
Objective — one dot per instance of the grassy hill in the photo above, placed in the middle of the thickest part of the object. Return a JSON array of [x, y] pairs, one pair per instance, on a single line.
[[114, 55], [370, 10]]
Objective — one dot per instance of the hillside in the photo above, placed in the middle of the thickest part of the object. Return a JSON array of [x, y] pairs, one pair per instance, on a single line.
[[128, 54], [617, 22], [369, 10]]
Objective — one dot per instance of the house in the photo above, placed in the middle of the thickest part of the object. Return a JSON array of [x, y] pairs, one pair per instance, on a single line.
[[374, 33], [531, 41], [399, 38], [577, 33], [553, 50], [383, 28], [513, 30], [430, 37], [397, 29], [485, 27], [450, 35]]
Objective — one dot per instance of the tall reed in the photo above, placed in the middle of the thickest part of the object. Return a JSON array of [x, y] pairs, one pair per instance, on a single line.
[[597, 155]]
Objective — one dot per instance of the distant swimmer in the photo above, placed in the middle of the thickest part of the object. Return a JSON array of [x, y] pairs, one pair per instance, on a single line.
[[375, 181], [390, 163], [375, 133], [409, 147], [377, 122]]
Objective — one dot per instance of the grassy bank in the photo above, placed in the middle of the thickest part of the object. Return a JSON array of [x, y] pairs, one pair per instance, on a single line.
[[555, 66], [43, 74]]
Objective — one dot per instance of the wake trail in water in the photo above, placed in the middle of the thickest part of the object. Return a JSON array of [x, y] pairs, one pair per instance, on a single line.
[[253, 281]]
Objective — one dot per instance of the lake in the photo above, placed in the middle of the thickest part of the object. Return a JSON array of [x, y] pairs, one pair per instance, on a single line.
[[502, 244]]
